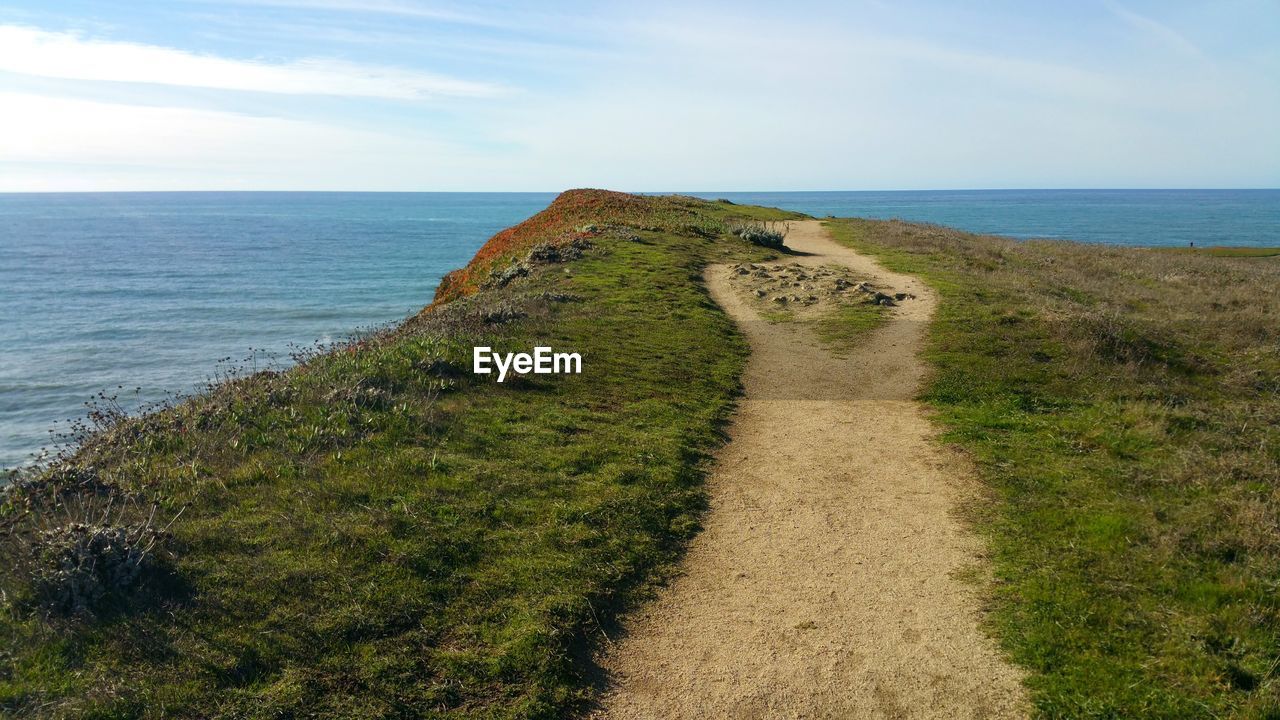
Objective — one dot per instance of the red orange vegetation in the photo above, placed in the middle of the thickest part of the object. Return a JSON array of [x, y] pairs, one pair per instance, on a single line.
[[575, 214]]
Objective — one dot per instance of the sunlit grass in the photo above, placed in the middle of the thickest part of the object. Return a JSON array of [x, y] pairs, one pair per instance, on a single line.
[[379, 533], [1123, 408]]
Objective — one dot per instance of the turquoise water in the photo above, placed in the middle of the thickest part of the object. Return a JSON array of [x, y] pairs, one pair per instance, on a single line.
[[150, 290]]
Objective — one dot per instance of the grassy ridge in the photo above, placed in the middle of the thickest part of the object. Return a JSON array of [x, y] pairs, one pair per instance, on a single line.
[[378, 533], [1122, 405], [1227, 251]]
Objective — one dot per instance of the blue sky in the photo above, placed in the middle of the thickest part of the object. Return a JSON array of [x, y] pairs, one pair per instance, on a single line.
[[422, 95]]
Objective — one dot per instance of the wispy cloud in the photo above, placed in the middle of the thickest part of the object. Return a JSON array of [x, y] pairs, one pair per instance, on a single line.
[[30, 51], [855, 95], [477, 48], [1156, 29], [419, 11]]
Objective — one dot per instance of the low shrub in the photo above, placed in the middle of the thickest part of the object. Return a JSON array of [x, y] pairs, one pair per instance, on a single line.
[[546, 252], [72, 549], [760, 233], [503, 277]]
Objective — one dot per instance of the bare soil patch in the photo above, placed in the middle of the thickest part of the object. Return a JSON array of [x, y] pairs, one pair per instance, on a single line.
[[826, 582]]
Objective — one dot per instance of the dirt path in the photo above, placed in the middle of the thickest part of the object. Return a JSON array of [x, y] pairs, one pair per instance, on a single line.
[[824, 583]]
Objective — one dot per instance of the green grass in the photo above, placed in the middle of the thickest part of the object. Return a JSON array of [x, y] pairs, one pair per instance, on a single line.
[[841, 327], [846, 326], [1122, 408], [378, 533]]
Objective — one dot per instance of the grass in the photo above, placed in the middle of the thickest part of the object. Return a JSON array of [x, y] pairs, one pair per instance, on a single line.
[[841, 323], [1228, 251], [846, 325], [841, 327], [1122, 406], [378, 533]]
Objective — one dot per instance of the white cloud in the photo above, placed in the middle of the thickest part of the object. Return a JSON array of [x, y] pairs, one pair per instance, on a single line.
[[839, 108], [674, 99], [380, 7], [30, 51], [95, 145]]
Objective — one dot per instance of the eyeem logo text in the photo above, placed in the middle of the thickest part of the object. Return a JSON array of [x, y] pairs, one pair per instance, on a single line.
[[542, 362]]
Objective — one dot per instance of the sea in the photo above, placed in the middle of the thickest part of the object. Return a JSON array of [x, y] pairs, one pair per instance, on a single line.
[[143, 295]]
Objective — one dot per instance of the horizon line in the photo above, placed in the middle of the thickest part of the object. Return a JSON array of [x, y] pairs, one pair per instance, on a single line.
[[641, 192]]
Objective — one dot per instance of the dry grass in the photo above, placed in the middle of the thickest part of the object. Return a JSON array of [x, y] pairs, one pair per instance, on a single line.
[[1123, 405]]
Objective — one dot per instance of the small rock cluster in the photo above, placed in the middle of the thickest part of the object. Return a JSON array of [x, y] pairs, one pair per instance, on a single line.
[[804, 285]]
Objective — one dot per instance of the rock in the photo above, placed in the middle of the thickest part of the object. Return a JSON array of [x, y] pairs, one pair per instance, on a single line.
[[882, 299], [760, 293], [780, 299], [899, 296]]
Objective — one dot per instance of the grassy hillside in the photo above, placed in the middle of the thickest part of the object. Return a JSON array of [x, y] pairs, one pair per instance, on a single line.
[[377, 532], [1124, 408]]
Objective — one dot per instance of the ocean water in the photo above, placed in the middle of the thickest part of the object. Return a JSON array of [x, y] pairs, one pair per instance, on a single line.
[[1116, 217], [150, 290]]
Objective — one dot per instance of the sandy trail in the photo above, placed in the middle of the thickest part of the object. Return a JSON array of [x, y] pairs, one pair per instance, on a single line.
[[824, 582]]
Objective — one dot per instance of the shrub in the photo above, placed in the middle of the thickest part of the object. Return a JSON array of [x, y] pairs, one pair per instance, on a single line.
[[759, 233], [76, 566], [501, 312], [71, 548], [545, 252], [501, 278]]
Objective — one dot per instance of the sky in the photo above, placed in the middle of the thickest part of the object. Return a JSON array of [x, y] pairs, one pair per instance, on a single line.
[[419, 95]]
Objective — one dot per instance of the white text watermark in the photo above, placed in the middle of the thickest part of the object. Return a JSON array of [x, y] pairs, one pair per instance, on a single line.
[[543, 361]]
